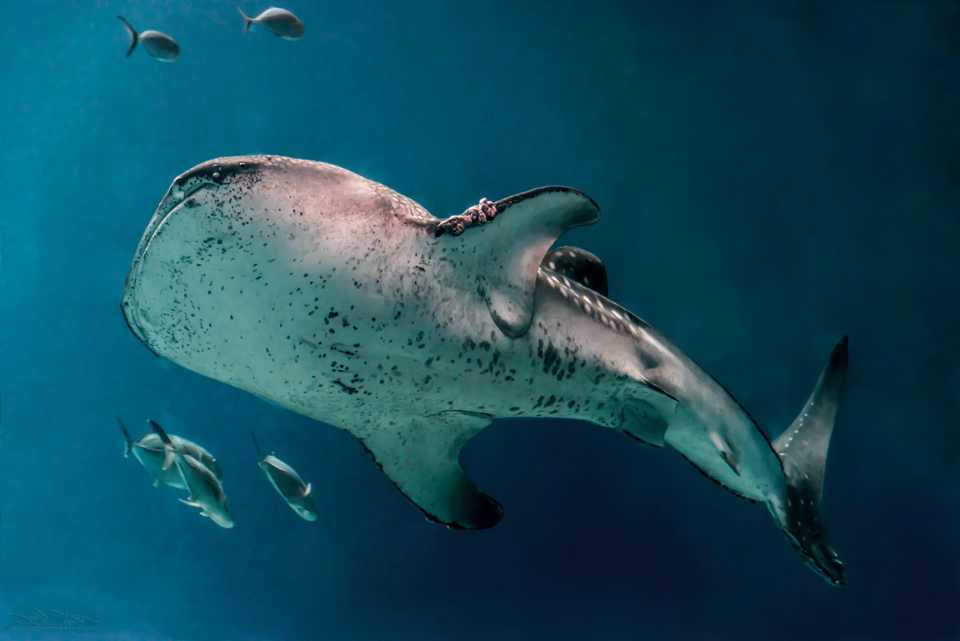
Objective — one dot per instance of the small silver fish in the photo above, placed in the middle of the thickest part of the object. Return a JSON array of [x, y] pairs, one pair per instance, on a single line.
[[150, 452], [159, 45], [288, 483], [205, 490], [280, 22]]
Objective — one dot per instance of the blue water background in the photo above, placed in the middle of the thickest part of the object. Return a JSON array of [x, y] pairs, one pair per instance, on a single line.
[[771, 175]]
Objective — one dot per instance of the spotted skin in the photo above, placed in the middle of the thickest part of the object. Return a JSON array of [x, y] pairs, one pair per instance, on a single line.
[[578, 265], [340, 299]]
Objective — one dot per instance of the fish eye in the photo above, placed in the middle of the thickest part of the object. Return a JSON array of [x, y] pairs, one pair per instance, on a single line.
[[243, 165]]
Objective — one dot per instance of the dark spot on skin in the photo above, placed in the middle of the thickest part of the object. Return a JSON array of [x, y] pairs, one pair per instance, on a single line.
[[550, 358], [550, 401]]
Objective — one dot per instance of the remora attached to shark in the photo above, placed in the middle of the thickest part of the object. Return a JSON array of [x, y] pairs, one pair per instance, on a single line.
[[338, 298]]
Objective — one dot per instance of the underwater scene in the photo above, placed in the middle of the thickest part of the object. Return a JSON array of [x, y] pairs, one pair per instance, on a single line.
[[517, 320]]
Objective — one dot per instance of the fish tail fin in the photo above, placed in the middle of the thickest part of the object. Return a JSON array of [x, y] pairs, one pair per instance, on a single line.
[[127, 441], [247, 22], [256, 445], [802, 449], [134, 38]]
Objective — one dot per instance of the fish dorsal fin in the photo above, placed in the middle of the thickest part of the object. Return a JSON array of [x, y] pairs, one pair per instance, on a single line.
[[191, 503], [578, 265], [306, 492], [497, 247]]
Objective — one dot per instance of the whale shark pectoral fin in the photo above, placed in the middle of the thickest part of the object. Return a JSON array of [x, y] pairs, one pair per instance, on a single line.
[[578, 265], [191, 504], [504, 244], [421, 458]]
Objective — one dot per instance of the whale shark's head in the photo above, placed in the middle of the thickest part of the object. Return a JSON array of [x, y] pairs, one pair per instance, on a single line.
[[190, 199]]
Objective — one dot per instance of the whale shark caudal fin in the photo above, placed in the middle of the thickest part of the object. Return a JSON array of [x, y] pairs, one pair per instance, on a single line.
[[422, 460], [802, 449], [134, 38], [499, 246], [578, 265]]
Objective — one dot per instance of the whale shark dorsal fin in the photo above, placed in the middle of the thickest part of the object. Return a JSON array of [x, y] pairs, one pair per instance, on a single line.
[[578, 265], [422, 461], [497, 247]]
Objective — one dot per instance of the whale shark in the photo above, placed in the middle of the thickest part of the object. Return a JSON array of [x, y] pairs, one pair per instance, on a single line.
[[338, 298]]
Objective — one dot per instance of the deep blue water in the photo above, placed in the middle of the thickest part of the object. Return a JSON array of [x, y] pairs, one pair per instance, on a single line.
[[771, 175]]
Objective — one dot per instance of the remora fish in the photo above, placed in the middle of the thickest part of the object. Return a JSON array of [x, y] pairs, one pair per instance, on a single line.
[[150, 452], [159, 45], [288, 483], [280, 22], [340, 299], [205, 490]]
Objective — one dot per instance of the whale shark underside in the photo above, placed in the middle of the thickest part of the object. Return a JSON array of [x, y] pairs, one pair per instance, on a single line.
[[342, 300]]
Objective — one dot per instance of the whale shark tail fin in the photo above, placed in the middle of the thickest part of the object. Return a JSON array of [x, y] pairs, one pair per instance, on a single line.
[[247, 22], [802, 449], [134, 38]]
